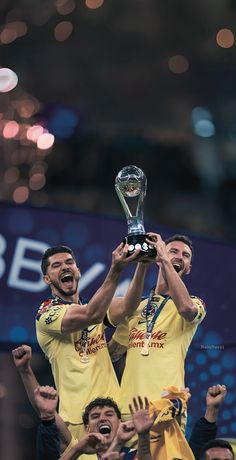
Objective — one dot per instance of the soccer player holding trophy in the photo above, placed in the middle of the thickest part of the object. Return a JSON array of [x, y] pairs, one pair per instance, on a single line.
[[158, 334]]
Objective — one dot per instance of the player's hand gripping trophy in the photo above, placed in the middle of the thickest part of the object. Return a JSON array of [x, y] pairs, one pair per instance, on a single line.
[[131, 183]]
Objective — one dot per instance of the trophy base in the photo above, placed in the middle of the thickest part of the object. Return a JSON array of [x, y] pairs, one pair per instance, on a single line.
[[139, 242]]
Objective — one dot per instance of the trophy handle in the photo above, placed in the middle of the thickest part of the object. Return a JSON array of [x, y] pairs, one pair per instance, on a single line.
[[139, 212]]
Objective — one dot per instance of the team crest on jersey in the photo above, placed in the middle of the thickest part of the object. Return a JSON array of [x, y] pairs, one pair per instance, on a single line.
[[151, 312]]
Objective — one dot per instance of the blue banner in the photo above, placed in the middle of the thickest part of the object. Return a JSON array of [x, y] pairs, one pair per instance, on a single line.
[[25, 232]]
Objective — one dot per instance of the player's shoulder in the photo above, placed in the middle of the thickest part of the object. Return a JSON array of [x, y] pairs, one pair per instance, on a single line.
[[49, 305]]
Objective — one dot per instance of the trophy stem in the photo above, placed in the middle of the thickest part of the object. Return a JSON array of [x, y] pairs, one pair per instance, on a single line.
[[135, 226], [123, 202]]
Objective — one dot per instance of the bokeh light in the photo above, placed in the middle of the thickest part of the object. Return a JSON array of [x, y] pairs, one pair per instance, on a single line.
[[225, 38], [21, 194], [200, 113], [65, 6], [63, 30], [39, 167], [11, 175], [94, 4], [37, 181], [12, 31], [45, 141], [19, 26], [8, 36], [8, 80], [178, 64], [34, 132], [62, 122], [204, 128], [10, 129], [25, 107]]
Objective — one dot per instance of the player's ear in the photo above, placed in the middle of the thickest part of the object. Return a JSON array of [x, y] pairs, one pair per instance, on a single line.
[[189, 269], [46, 280]]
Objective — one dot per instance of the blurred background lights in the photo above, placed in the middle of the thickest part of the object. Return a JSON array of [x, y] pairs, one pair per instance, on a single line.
[[11, 175], [20, 27], [225, 38], [62, 122], [8, 36], [63, 30], [37, 181], [25, 107], [12, 31], [45, 141], [34, 132], [178, 64], [20, 194], [204, 128], [10, 129], [65, 6], [200, 113], [93, 4], [8, 80], [39, 167], [202, 123]]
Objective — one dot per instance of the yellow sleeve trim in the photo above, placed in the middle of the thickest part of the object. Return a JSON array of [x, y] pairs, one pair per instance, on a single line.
[[201, 312], [109, 319]]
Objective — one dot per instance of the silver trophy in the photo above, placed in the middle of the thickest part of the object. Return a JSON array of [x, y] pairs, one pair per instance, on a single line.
[[131, 183]]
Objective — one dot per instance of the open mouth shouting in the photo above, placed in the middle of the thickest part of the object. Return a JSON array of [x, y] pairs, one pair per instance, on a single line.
[[105, 429], [177, 266], [67, 279]]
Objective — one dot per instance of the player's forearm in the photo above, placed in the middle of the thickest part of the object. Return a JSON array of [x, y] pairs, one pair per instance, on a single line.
[[144, 452], [178, 291], [127, 305], [100, 302], [134, 293], [30, 383], [211, 414], [72, 454], [65, 434]]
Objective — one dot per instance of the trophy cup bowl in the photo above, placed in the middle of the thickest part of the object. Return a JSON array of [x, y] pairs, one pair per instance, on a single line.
[[131, 184]]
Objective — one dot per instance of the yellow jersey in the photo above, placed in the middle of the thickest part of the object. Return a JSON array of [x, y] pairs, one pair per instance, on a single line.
[[77, 382], [163, 366]]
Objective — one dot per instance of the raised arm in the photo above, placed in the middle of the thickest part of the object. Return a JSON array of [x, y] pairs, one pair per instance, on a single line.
[[125, 306], [46, 400], [142, 422], [78, 317], [22, 359], [214, 399], [205, 429], [176, 287]]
